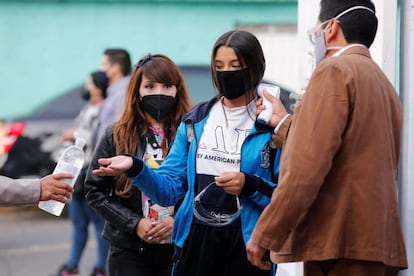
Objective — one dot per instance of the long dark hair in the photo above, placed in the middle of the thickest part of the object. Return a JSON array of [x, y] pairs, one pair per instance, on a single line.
[[248, 51]]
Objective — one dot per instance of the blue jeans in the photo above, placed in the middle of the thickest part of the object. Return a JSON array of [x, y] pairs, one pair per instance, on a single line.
[[81, 214]]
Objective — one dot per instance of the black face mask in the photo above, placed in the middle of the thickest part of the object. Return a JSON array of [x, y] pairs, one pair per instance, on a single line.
[[86, 95], [158, 106], [232, 83]]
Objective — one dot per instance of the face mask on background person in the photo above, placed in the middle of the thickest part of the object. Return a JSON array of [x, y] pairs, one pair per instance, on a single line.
[[232, 83], [86, 95], [158, 106], [319, 36]]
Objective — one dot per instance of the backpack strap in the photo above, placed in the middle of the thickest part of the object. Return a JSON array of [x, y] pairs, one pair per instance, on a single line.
[[272, 164]]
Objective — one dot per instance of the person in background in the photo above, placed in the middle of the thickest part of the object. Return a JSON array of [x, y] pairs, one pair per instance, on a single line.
[[139, 238], [80, 213], [30, 191], [225, 168], [340, 159], [116, 63]]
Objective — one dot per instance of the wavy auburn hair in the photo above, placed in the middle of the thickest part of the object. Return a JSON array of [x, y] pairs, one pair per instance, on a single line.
[[133, 123]]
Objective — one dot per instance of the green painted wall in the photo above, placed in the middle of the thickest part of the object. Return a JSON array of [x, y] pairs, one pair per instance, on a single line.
[[48, 47]]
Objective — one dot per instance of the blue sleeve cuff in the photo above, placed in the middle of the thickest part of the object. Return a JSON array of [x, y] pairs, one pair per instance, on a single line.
[[251, 183], [137, 166]]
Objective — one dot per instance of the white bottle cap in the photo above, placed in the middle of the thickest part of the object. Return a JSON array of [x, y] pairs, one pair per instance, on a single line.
[[80, 142]]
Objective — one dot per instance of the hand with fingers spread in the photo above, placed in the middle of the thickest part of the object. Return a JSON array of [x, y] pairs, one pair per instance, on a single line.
[[231, 182], [53, 187]]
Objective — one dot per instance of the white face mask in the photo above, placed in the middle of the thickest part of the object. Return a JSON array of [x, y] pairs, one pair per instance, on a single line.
[[320, 44], [321, 49]]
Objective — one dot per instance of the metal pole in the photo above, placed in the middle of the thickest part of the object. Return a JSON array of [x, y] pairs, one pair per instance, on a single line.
[[383, 50], [406, 175], [307, 16]]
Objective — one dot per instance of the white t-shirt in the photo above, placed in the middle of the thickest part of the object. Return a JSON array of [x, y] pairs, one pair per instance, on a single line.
[[223, 135], [219, 151]]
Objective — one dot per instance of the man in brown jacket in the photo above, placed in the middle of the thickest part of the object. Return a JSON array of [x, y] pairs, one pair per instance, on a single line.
[[336, 206]]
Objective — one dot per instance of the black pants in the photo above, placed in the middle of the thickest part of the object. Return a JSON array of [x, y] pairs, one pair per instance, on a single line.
[[214, 251], [152, 260]]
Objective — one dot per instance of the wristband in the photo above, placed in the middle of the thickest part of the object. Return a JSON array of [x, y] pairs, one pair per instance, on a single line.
[[280, 123]]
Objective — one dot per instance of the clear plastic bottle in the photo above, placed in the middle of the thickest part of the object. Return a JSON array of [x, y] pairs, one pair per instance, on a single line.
[[71, 161]]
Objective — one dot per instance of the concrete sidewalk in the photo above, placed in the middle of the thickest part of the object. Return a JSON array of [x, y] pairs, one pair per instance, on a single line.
[[33, 242]]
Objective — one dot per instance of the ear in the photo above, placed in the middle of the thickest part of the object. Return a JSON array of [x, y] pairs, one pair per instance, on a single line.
[[117, 66], [333, 33]]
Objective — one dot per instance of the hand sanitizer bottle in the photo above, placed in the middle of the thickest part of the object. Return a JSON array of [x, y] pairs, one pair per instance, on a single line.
[[71, 162]]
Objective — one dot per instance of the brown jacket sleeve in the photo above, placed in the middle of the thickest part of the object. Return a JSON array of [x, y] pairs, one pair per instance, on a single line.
[[280, 137]]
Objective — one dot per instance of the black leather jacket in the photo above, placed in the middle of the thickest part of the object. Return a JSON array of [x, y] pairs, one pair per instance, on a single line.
[[121, 214]]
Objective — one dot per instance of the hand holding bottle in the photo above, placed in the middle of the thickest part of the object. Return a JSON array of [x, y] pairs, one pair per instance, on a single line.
[[53, 187], [70, 163]]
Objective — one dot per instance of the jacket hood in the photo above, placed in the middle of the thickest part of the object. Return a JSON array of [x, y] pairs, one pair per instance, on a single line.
[[198, 112]]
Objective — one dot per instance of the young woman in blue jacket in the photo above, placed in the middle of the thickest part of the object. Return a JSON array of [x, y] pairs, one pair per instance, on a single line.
[[222, 166]]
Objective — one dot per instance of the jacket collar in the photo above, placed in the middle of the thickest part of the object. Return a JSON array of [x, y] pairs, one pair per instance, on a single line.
[[199, 112], [353, 49]]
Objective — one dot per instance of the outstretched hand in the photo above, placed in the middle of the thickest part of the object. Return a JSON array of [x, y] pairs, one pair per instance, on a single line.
[[279, 110], [113, 166]]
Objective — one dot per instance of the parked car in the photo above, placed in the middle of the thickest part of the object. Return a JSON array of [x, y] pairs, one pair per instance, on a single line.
[[36, 151]]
